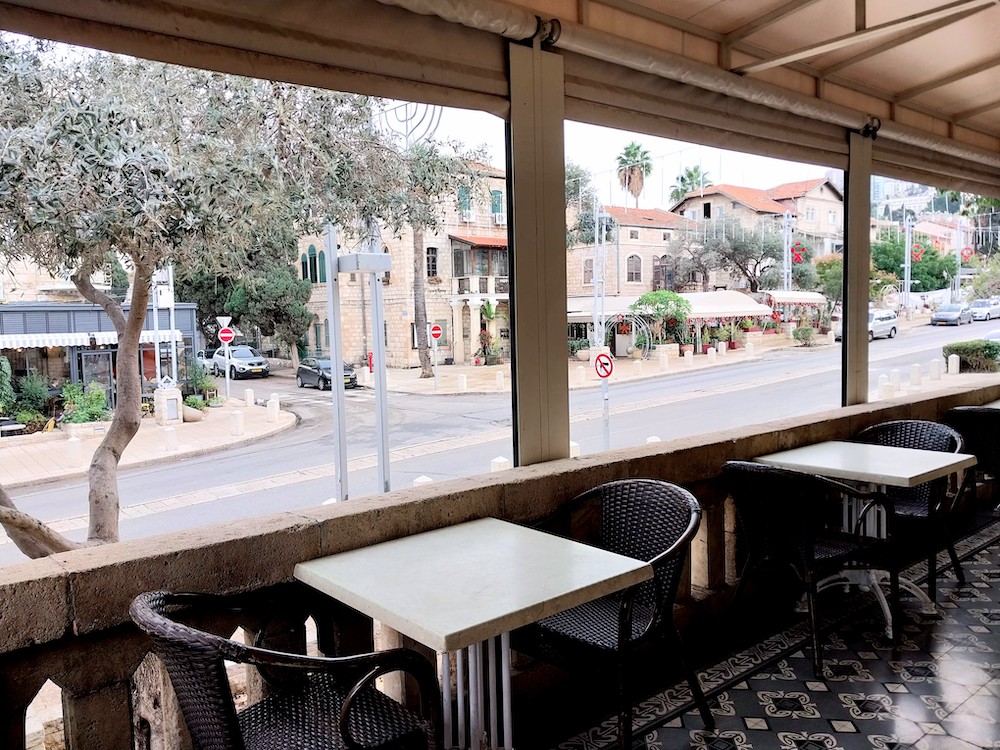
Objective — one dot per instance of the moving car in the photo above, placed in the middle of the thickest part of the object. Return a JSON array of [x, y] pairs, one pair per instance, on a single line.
[[951, 315], [318, 372], [985, 309], [881, 324], [244, 362]]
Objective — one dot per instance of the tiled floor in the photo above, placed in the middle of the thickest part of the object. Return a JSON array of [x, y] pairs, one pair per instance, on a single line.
[[937, 688]]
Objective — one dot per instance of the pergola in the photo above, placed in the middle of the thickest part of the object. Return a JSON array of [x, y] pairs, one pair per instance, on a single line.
[[903, 88]]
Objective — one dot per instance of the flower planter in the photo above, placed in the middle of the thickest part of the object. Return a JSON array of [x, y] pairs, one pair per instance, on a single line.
[[734, 344], [705, 348], [583, 355], [191, 414], [771, 331], [671, 350], [684, 348]]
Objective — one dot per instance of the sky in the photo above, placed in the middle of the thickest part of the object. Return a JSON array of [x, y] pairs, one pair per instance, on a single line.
[[597, 148]]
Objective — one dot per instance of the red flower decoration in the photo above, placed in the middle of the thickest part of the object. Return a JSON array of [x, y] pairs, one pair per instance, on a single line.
[[966, 254], [797, 250], [917, 252]]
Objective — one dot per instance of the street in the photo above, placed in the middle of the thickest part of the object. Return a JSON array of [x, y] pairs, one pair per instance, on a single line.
[[455, 435]]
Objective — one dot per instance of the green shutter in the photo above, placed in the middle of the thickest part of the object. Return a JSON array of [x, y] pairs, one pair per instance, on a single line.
[[496, 203], [464, 199]]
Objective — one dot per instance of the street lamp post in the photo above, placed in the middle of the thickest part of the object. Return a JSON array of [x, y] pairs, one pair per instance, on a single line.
[[786, 234], [908, 225]]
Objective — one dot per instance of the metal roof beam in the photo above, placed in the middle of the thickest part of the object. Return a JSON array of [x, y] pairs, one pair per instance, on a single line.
[[767, 19], [970, 113], [946, 80]]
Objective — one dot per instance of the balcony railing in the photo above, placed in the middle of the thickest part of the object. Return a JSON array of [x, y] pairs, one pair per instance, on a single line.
[[481, 285], [64, 618]]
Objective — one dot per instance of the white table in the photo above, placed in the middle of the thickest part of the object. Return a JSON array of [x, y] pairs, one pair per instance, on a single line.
[[878, 465], [455, 587]]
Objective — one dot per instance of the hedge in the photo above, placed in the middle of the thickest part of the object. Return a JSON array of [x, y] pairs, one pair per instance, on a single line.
[[975, 356]]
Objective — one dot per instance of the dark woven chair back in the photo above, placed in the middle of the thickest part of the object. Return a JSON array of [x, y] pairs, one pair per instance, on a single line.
[[642, 518], [194, 660], [979, 427]]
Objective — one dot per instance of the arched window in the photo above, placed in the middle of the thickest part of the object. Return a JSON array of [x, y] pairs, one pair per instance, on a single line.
[[634, 268], [305, 267], [321, 262], [310, 267], [588, 271]]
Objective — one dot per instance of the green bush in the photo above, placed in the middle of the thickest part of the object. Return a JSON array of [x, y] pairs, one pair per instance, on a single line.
[[32, 420], [576, 345], [975, 356], [195, 402], [803, 334], [7, 396], [33, 392], [85, 405]]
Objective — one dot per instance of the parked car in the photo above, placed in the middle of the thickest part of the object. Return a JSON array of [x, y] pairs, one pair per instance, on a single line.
[[985, 309], [951, 315], [993, 335], [318, 372], [204, 358], [881, 324], [244, 362]]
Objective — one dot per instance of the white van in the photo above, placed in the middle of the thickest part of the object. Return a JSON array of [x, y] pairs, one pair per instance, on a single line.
[[881, 324]]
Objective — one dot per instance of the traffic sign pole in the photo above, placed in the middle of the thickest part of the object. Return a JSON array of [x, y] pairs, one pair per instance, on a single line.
[[434, 331], [226, 334], [605, 366]]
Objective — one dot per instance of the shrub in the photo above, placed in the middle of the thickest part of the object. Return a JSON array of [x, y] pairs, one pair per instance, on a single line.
[[32, 420], [33, 392], [7, 396], [803, 334], [85, 405], [975, 356], [576, 345], [196, 402]]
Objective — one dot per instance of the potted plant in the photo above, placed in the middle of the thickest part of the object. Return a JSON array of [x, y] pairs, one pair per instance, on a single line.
[[667, 313], [193, 408], [489, 348], [685, 340]]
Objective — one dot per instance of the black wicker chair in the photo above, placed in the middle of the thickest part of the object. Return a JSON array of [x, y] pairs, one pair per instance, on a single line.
[[924, 512], [646, 519], [311, 703], [979, 427], [787, 518]]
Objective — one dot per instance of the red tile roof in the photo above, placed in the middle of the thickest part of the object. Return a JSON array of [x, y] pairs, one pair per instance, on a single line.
[[795, 189], [646, 217], [480, 241], [757, 200]]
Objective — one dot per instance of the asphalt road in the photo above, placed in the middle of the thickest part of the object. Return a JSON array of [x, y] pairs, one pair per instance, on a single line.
[[447, 436]]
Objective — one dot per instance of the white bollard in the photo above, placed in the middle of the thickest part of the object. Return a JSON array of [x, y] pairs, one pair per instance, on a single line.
[[722, 348], [422, 479], [652, 439], [916, 374], [711, 355], [894, 378], [885, 390], [750, 348], [935, 369], [954, 364], [364, 377], [248, 397], [664, 361], [272, 411], [636, 368], [689, 359], [499, 464], [463, 383], [574, 449], [169, 439], [500, 380], [581, 374], [236, 423], [276, 397], [75, 457], [831, 337]]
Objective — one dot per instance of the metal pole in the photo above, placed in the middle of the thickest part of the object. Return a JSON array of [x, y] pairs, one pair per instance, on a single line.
[[226, 348], [907, 253], [337, 401], [786, 234], [434, 348], [607, 414], [156, 329], [381, 391], [173, 323]]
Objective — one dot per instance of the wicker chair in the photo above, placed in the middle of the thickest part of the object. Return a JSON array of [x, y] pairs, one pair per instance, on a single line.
[[979, 427], [923, 512], [646, 519], [787, 518], [311, 703]]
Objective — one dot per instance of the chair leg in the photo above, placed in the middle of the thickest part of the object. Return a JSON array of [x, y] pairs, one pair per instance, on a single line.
[[959, 573], [932, 576], [814, 629], [895, 610], [624, 709], [707, 717]]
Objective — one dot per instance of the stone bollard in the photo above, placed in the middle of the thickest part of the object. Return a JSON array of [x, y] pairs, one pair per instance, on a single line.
[[272, 411], [463, 383], [422, 479], [636, 368], [711, 355], [236, 423], [500, 380], [894, 378], [248, 397], [75, 452], [276, 397], [750, 348], [954, 364], [722, 348], [364, 376], [915, 375], [574, 449], [831, 338], [652, 439], [689, 359], [169, 439], [885, 387], [935, 369], [581, 374], [500, 463], [663, 361]]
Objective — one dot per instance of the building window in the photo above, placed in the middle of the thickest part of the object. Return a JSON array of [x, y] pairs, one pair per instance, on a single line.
[[666, 236], [810, 214], [313, 266], [464, 199], [832, 217], [458, 262], [719, 212], [588, 271], [432, 262], [706, 210], [633, 234], [496, 201], [634, 266], [500, 264]]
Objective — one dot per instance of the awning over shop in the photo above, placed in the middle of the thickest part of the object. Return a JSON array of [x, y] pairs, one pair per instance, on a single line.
[[81, 338], [794, 297], [724, 304]]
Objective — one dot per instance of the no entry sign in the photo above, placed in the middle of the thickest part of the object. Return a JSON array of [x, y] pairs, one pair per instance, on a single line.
[[436, 331], [604, 365], [226, 335]]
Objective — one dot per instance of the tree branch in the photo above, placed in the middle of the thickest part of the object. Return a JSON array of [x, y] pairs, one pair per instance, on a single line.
[[32, 537]]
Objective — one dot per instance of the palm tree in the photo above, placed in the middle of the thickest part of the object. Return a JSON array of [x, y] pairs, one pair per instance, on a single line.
[[692, 178], [634, 166]]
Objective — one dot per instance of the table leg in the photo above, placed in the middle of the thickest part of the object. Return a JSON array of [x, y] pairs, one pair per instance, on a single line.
[[483, 689]]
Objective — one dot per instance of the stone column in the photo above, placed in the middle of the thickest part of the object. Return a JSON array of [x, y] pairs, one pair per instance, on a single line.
[[475, 321], [457, 334]]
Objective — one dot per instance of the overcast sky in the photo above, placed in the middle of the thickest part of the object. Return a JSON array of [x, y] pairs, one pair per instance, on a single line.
[[597, 149]]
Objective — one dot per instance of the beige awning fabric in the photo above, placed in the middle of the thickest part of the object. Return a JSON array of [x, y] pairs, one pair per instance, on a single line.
[[794, 297], [81, 338], [724, 304]]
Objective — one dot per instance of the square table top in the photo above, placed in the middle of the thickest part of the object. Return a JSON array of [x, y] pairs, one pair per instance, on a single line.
[[993, 404], [864, 462], [455, 586]]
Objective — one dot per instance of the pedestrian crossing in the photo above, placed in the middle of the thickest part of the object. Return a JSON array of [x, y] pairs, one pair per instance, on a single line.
[[321, 398]]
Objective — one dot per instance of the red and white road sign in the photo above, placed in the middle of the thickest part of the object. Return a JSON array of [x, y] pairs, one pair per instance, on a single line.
[[436, 331], [604, 365], [226, 335]]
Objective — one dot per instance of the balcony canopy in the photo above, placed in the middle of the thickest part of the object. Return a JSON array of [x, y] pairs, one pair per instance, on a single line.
[[795, 297], [720, 305]]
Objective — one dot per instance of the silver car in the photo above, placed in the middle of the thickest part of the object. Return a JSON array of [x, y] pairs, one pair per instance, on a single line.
[[985, 309], [881, 324], [244, 362], [951, 315]]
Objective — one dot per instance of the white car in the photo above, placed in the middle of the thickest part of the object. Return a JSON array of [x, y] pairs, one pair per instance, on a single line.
[[985, 309], [244, 362], [881, 324]]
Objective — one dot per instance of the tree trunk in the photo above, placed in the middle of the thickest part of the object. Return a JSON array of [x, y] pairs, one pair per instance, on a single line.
[[420, 302]]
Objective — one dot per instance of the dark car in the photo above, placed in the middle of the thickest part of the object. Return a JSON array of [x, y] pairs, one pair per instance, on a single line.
[[317, 372], [244, 362], [951, 315]]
